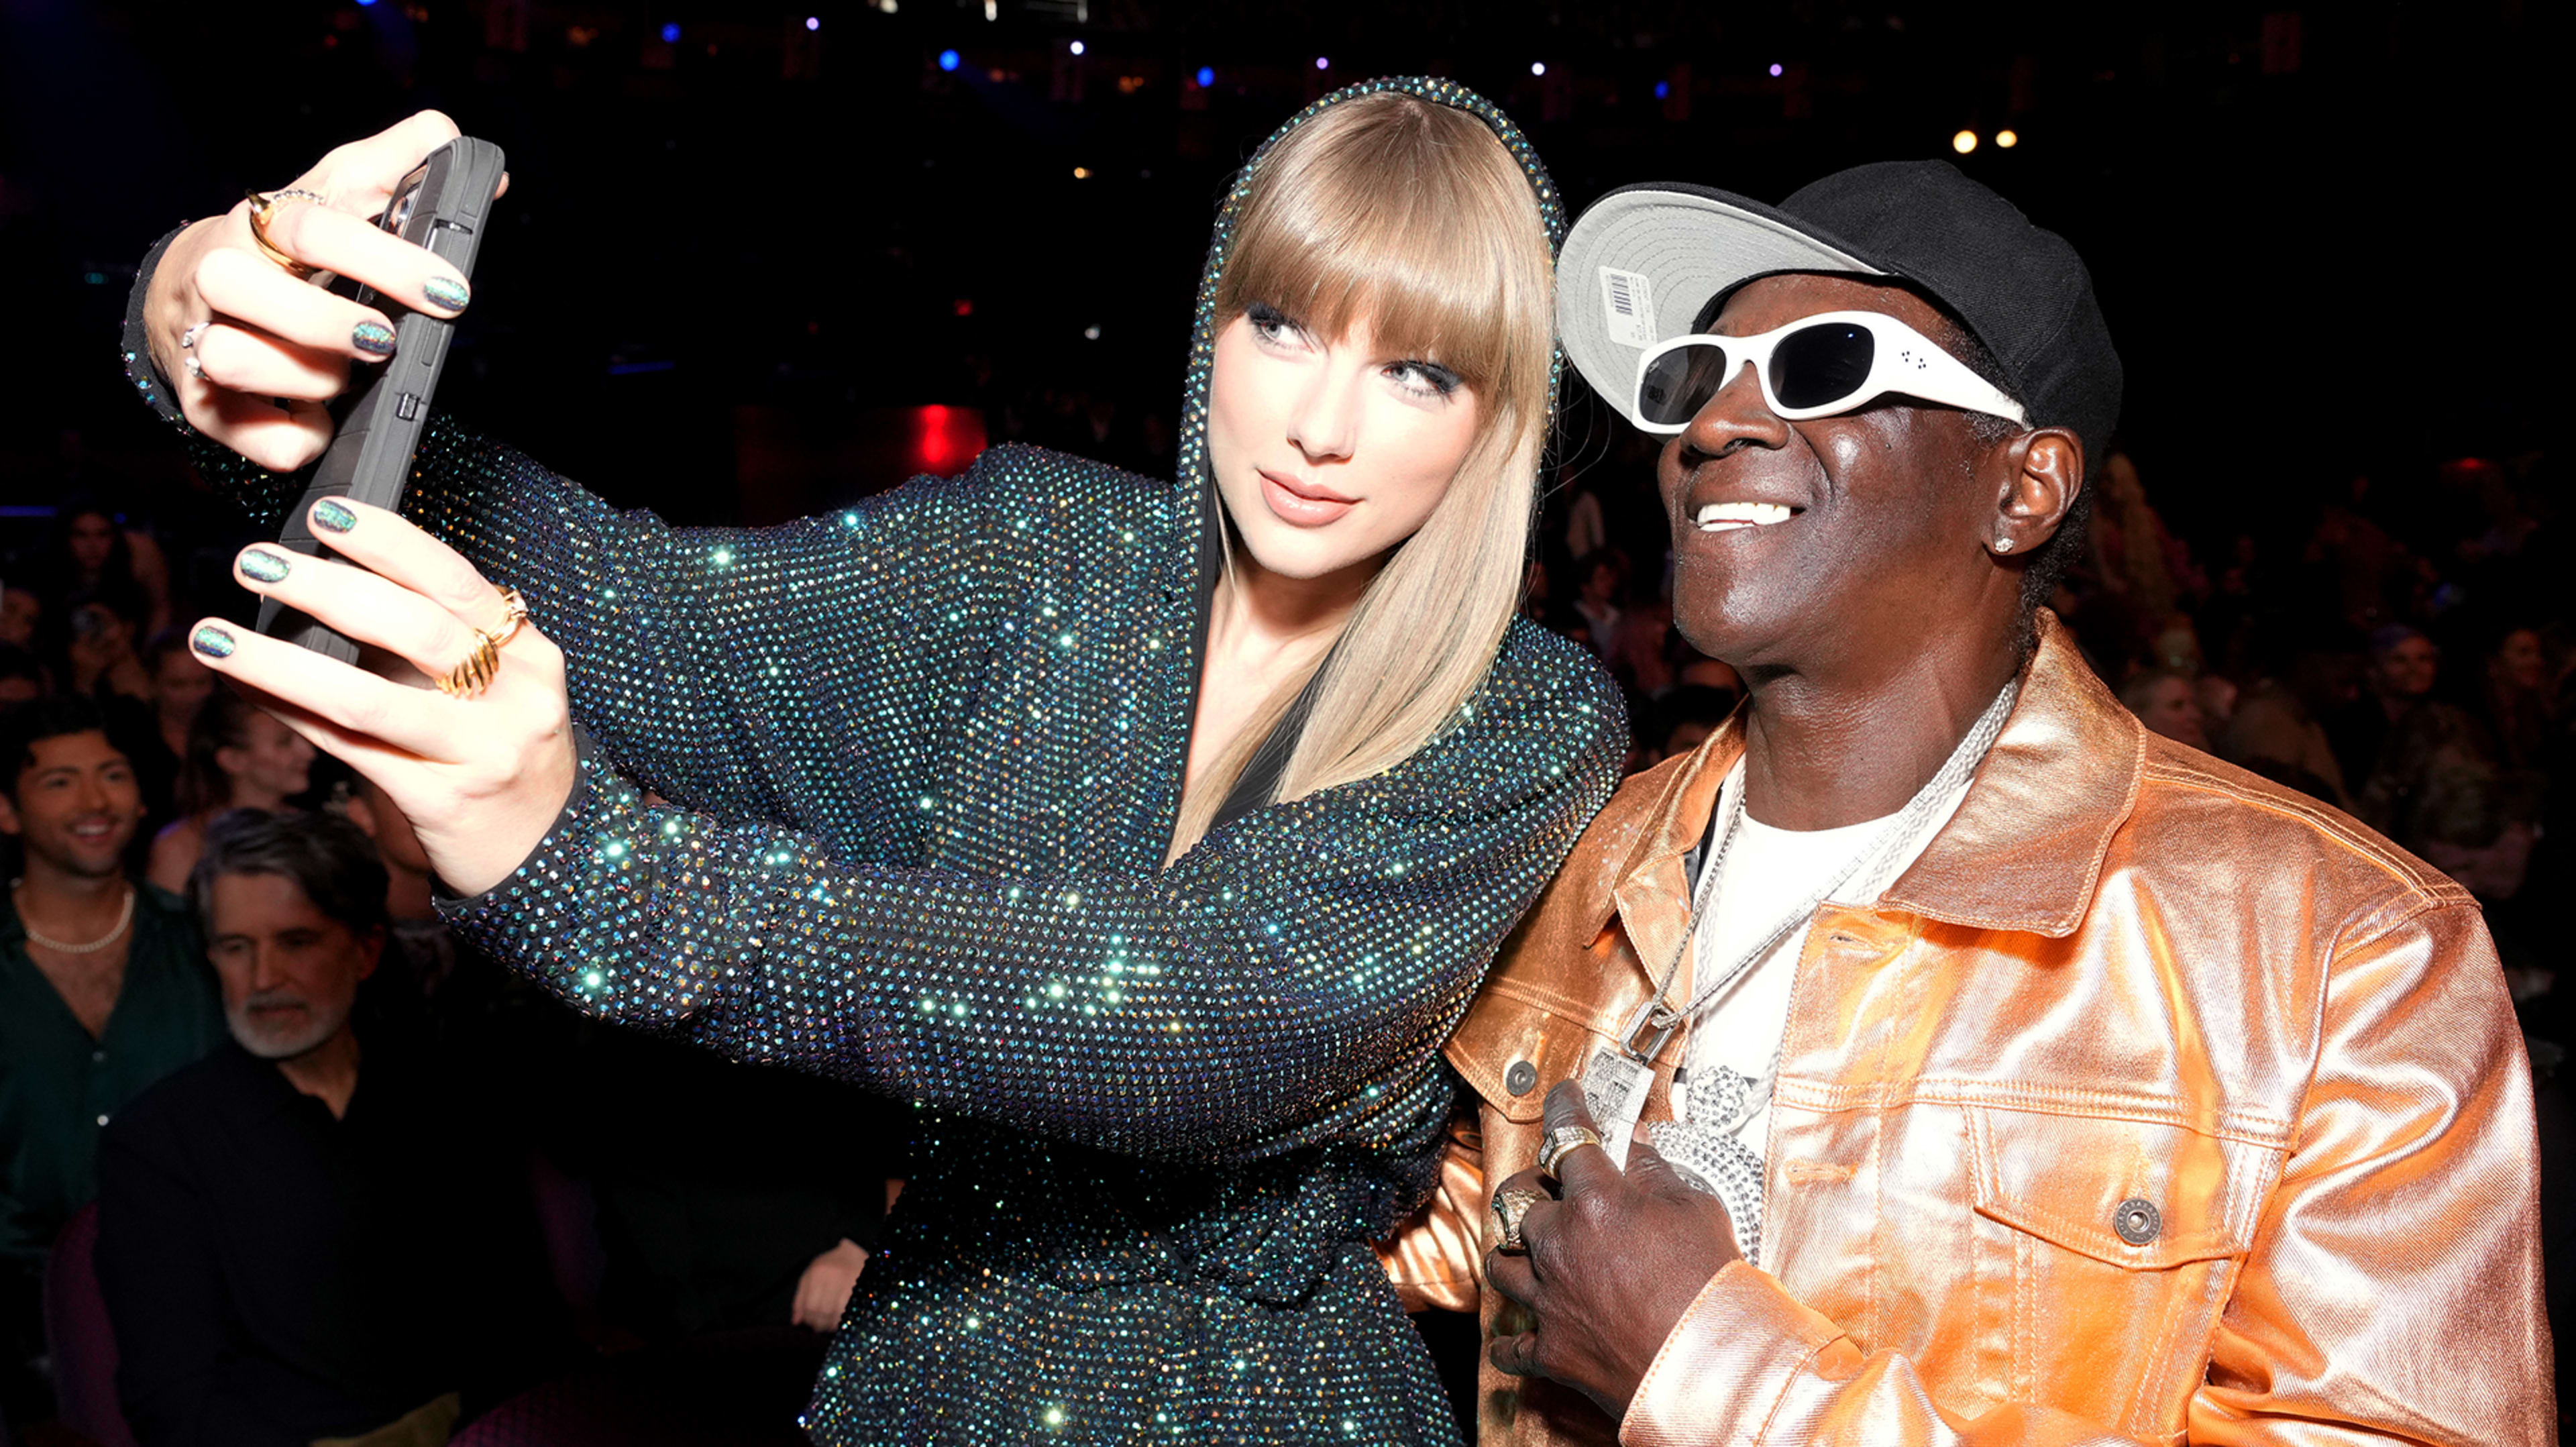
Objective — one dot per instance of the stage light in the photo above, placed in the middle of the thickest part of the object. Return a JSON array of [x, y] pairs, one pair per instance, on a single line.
[[1775, 70], [1538, 67], [2007, 139], [1663, 89], [1206, 77], [1077, 47], [813, 22], [1091, 333], [1082, 173], [1964, 142], [363, 4], [671, 33], [1323, 62], [948, 60]]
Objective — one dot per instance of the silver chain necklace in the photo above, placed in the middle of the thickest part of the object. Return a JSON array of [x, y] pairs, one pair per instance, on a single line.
[[1616, 1081], [124, 918]]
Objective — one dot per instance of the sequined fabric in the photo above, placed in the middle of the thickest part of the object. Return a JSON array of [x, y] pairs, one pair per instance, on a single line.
[[923, 758]]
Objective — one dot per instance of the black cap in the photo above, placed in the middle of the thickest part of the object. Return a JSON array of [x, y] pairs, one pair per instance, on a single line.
[[1644, 264]]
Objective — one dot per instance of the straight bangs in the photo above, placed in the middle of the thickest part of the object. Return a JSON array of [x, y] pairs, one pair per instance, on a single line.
[[1405, 215]]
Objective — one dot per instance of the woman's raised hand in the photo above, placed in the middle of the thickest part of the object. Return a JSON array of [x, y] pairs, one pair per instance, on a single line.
[[269, 349], [480, 774]]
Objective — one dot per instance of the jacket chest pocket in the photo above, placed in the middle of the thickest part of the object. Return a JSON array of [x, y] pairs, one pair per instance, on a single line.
[[2105, 1254]]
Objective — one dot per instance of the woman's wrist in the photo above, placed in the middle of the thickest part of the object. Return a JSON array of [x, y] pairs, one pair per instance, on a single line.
[[141, 368]]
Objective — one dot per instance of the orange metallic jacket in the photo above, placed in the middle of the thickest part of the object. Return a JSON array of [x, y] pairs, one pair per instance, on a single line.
[[2124, 974]]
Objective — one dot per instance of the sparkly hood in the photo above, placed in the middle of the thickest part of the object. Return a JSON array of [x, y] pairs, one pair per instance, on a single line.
[[1194, 408]]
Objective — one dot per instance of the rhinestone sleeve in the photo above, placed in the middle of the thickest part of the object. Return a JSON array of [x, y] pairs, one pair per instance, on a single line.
[[1286, 982]]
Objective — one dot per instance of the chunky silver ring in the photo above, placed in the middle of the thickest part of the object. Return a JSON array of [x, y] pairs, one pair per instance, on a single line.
[[1510, 1207], [195, 368], [188, 338], [1562, 1142]]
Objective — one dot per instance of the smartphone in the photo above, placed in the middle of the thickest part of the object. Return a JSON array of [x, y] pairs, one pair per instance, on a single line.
[[444, 205]]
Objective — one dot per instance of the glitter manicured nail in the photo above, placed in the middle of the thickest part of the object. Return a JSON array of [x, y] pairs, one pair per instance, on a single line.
[[330, 516], [264, 565], [212, 641], [445, 291], [373, 338]]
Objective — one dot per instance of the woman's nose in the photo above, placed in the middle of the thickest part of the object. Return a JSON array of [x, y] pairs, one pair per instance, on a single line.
[[1325, 420]]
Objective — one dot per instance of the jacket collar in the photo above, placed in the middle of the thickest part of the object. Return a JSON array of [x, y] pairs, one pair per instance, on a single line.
[[2023, 852]]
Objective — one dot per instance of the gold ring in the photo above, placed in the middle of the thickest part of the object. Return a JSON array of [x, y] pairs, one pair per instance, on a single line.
[[514, 616], [475, 674], [263, 208], [1564, 1141], [1509, 1208], [483, 663]]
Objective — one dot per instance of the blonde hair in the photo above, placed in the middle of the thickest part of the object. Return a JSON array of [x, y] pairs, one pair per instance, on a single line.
[[1413, 215]]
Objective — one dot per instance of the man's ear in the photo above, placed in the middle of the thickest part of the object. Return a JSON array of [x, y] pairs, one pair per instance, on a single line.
[[8, 815], [2044, 470]]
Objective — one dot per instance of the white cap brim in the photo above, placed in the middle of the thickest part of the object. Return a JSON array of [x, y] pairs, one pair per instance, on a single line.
[[1640, 264]]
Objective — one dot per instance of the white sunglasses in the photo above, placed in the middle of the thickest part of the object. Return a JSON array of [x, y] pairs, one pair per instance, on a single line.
[[1813, 367]]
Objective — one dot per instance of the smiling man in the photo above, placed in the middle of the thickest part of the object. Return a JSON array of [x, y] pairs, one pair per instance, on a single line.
[[1935, 1055], [102, 992]]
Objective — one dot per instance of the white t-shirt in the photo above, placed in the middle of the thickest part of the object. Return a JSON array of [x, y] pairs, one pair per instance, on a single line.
[[1770, 872]]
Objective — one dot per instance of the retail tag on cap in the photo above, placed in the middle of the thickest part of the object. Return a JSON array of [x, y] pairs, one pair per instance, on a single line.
[[1628, 307]]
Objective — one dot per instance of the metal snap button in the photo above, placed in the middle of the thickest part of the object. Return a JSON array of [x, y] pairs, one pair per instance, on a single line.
[[2137, 1220], [1521, 1078]]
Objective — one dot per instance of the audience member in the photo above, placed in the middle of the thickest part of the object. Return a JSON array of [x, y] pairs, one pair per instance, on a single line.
[[1598, 577], [307, 1235], [2165, 700], [21, 613], [94, 556], [2404, 664], [22, 675], [2519, 698], [96, 654], [180, 686], [716, 1212], [1679, 722], [237, 758], [102, 992]]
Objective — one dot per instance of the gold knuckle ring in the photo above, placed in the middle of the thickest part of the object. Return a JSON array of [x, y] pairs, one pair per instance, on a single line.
[[1510, 1208], [483, 662], [514, 616], [1564, 1141], [263, 209]]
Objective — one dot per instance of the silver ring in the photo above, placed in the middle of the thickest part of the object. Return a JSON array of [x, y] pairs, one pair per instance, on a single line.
[[188, 338], [196, 369]]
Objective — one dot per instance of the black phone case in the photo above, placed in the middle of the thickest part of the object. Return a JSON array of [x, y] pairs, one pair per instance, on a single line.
[[379, 424]]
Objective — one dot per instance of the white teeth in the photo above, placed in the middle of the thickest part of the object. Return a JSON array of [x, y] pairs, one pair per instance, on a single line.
[[1726, 517]]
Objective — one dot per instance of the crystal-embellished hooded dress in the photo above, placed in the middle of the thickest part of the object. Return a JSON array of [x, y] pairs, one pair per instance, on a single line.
[[924, 758]]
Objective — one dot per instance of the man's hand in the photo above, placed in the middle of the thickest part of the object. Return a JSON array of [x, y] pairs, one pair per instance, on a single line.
[[1613, 1262], [823, 1292]]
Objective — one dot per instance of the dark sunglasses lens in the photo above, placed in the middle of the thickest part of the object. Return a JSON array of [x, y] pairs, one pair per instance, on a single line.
[[1820, 365], [1679, 383]]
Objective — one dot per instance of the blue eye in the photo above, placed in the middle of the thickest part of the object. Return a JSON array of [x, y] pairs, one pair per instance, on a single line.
[[1430, 379], [1268, 320]]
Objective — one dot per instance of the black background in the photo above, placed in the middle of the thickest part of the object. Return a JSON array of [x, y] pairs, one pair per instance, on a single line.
[[2316, 233]]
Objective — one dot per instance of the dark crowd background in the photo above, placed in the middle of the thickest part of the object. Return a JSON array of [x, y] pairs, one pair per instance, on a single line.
[[759, 259]]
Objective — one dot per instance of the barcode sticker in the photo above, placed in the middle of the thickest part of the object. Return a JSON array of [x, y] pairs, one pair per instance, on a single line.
[[1628, 308]]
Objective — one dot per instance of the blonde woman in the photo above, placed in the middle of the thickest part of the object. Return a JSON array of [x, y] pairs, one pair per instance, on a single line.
[[1148, 837]]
